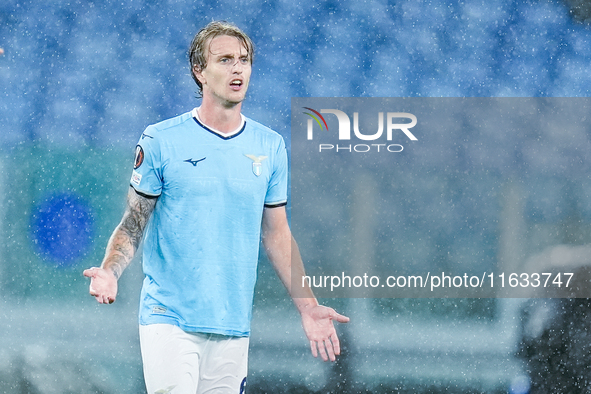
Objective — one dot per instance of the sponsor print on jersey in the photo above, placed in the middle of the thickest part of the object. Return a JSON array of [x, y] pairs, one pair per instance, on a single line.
[[136, 178], [139, 157], [243, 386], [257, 164], [159, 310]]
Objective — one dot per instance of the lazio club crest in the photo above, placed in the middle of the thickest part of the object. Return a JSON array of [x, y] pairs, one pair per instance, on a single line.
[[257, 164]]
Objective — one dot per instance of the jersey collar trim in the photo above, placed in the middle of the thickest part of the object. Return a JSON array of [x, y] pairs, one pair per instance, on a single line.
[[225, 136]]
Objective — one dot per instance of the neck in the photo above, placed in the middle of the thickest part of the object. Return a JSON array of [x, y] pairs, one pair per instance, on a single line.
[[224, 118]]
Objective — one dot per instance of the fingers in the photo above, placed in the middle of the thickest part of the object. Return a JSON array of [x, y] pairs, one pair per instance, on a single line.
[[106, 299], [342, 319], [90, 273], [338, 317], [99, 297], [318, 347], [335, 344], [97, 287], [319, 328], [92, 291], [328, 349], [313, 348], [322, 350], [103, 299]]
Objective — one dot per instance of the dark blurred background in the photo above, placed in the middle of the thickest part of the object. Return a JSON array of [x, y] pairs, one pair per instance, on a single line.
[[80, 80]]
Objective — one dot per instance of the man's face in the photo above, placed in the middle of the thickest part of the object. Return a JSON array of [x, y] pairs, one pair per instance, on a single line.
[[226, 76]]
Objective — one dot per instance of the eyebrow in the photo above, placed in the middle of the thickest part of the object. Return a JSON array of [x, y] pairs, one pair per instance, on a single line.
[[222, 54]]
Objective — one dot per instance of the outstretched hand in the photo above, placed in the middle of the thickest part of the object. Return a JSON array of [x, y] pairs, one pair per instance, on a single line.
[[103, 284], [319, 328]]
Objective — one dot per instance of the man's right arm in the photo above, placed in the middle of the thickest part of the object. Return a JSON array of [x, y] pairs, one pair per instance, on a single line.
[[121, 248]]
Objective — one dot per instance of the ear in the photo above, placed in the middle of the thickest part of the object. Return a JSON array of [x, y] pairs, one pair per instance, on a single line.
[[198, 74]]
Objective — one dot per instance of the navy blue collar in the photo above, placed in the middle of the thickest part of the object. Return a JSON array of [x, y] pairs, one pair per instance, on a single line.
[[217, 133]]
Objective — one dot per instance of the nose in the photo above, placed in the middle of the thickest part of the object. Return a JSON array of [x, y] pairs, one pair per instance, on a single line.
[[237, 66]]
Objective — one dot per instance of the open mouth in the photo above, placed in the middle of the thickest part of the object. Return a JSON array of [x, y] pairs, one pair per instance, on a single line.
[[236, 84]]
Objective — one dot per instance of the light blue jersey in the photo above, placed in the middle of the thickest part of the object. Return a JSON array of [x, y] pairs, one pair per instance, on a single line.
[[201, 245]]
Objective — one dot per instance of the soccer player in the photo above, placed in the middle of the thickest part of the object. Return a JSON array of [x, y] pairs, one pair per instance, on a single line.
[[202, 184]]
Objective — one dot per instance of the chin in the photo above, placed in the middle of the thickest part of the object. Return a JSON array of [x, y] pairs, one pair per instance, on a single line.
[[235, 100], [232, 103]]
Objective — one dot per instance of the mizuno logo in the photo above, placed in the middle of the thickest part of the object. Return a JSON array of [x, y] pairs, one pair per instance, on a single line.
[[194, 162], [144, 135]]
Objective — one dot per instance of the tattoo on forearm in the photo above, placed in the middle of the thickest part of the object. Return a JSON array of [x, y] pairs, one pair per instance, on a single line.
[[128, 235], [137, 215]]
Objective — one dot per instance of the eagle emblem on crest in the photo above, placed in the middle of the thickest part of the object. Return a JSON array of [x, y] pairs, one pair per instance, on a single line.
[[257, 164]]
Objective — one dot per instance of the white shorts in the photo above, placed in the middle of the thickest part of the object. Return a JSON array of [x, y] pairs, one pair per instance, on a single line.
[[178, 362]]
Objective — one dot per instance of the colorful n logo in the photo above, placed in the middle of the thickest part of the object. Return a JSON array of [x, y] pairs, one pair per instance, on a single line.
[[310, 124]]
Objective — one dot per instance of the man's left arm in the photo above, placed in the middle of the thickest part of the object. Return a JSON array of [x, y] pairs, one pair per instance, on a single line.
[[283, 252]]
